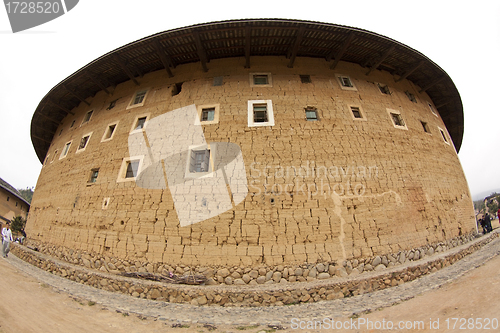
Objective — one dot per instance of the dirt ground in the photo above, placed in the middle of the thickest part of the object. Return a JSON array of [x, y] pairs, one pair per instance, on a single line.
[[474, 299]]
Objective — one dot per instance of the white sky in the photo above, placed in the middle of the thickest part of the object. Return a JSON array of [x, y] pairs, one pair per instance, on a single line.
[[461, 36]]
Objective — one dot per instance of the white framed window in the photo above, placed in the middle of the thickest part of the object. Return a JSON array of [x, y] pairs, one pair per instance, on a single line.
[[425, 126], [94, 173], [383, 88], [65, 150], [311, 113], [84, 141], [138, 99], [397, 119], [130, 168], [444, 136], [357, 112], [261, 80], [345, 82], [87, 117], [260, 113], [208, 114], [433, 110], [140, 123], [200, 161], [109, 132]]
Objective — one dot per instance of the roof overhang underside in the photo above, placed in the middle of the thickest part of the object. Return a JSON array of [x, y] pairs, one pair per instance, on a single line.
[[246, 38]]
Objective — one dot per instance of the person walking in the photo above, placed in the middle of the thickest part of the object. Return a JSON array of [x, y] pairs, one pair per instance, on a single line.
[[487, 222], [6, 239]]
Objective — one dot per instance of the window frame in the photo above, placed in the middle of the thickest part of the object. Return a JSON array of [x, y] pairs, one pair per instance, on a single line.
[[444, 136], [200, 109], [425, 126], [134, 129], [89, 181], [269, 79], [361, 112], [392, 112], [124, 166], [433, 110], [411, 96], [104, 139], [202, 174], [65, 151], [132, 105], [78, 149], [269, 110], [91, 112], [311, 109], [340, 81]]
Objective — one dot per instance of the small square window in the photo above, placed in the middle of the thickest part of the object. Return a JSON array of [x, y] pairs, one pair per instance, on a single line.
[[140, 122], [105, 203], [397, 119], [130, 168], [311, 114], [410, 96], [60, 132], [109, 132], [65, 150], [93, 175], [384, 89], [305, 78], [138, 99], [345, 82], [260, 79], [357, 113], [207, 114], [87, 117], [260, 113], [83, 142], [218, 80], [425, 127], [8, 198], [72, 124], [200, 161]]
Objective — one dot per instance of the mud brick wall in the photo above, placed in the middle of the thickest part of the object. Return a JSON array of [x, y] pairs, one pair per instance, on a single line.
[[329, 190]]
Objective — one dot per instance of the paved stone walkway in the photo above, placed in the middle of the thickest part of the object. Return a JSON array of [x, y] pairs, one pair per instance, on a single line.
[[274, 315]]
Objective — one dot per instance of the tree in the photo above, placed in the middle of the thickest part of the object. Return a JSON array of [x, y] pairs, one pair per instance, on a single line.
[[27, 193], [17, 224]]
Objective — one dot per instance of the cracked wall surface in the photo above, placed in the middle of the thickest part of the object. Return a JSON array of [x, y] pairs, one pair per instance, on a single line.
[[326, 190]]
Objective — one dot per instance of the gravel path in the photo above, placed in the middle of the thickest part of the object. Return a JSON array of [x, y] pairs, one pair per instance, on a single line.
[[274, 315]]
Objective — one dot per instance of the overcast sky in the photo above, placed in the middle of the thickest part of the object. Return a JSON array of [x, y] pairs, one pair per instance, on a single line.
[[462, 37]]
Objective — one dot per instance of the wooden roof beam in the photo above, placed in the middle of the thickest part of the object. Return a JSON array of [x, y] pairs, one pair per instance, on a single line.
[[342, 50], [410, 71], [384, 56], [98, 83], [75, 94], [248, 45], [58, 123], [432, 84], [60, 107], [39, 138], [125, 69], [200, 50], [165, 59], [296, 46]]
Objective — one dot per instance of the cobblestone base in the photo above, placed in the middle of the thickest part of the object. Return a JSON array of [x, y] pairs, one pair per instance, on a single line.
[[257, 295]]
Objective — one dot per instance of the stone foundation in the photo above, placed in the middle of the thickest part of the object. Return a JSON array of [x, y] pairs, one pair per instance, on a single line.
[[260, 286]]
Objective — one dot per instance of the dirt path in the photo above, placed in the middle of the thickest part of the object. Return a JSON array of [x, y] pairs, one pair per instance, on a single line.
[[31, 306]]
